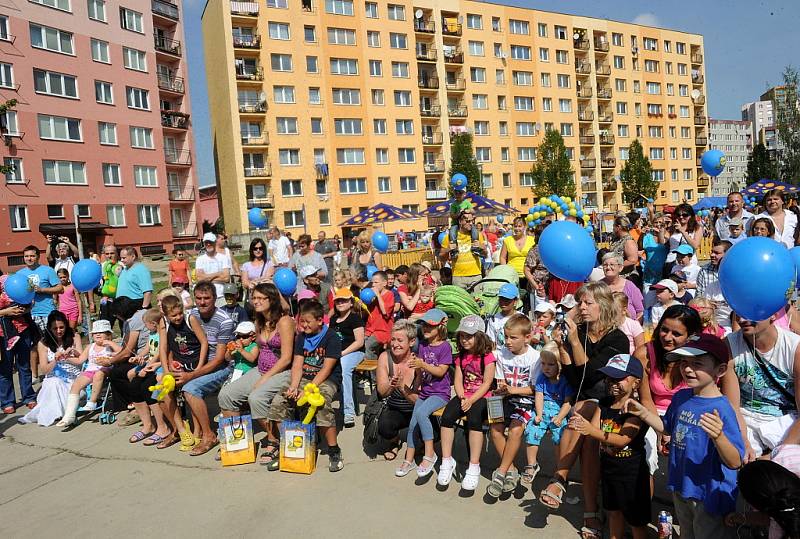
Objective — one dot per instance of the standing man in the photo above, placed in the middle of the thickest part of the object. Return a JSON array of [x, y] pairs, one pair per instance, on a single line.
[[222, 249], [280, 248], [708, 283], [735, 210], [213, 267], [110, 269], [328, 250], [134, 280], [466, 262]]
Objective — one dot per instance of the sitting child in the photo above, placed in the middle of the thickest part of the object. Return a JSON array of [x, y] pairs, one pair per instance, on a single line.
[[545, 324], [507, 297], [630, 327], [149, 362], [243, 350], [236, 312], [378, 328], [707, 310], [94, 374], [664, 293]]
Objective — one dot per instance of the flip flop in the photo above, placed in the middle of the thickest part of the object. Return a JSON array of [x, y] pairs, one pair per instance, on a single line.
[[138, 436], [203, 448], [169, 441], [154, 439]]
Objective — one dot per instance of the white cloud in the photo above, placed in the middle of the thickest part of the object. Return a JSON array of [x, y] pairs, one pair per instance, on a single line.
[[646, 19]]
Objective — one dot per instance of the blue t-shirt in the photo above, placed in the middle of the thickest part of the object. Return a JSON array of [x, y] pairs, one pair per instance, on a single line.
[[656, 257], [134, 282], [43, 277], [557, 392], [695, 468]]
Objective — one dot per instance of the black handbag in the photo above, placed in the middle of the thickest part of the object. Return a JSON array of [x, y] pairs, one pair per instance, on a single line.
[[373, 410]]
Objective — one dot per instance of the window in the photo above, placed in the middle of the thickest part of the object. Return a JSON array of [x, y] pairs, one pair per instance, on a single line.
[[519, 52], [408, 183], [377, 97], [286, 126], [622, 107], [519, 27], [500, 76], [547, 104], [656, 153], [289, 156], [682, 69], [561, 32], [683, 90], [346, 96], [100, 51], [481, 127], [278, 30], [111, 174], [382, 156], [51, 39], [379, 126], [59, 128], [8, 123], [352, 186], [616, 39], [542, 29], [339, 7], [145, 176], [51, 83], [314, 96], [680, 48], [501, 104], [347, 126], [505, 154], [375, 68], [310, 34], [15, 172], [400, 70], [523, 102], [149, 214], [619, 62], [651, 66], [523, 78], [624, 153], [496, 24], [350, 156], [341, 36], [4, 30], [477, 74], [396, 12], [398, 41], [670, 89], [404, 127], [64, 172], [312, 64], [371, 9], [292, 188], [565, 105], [281, 62], [373, 39], [134, 59], [402, 98], [483, 155], [19, 218], [563, 81], [637, 87], [526, 154], [650, 44], [655, 131], [103, 92], [283, 94], [63, 5], [474, 21], [384, 184], [294, 219], [545, 80], [344, 66], [654, 88], [55, 211], [278, 4], [686, 153], [138, 98], [476, 48], [620, 85], [688, 194], [684, 111], [97, 10], [141, 137], [525, 179], [406, 155], [131, 20], [562, 57], [480, 101], [566, 130], [687, 174]]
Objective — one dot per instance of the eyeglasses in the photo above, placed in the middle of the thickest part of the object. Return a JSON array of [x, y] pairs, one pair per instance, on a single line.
[[258, 249], [682, 215], [610, 265]]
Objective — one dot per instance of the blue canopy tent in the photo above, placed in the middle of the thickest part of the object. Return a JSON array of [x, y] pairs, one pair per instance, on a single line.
[[762, 186], [707, 203], [482, 207], [380, 213]]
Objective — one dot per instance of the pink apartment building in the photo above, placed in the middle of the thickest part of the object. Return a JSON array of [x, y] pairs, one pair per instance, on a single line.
[[101, 121]]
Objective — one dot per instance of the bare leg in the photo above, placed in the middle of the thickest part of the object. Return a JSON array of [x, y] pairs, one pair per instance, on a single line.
[[498, 438], [162, 428], [475, 439], [429, 451], [97, 386], [144, 414], [447, 437], [616, 525], [512, 446], [34, 361], [330, 436], [532, 453], [200, 415]]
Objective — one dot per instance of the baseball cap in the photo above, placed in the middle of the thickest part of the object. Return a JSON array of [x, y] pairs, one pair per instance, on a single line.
[[668, 284], [229, 288], [305, 271], [622, 365], [684, 250], [101, 326], [697, 345], [343, 293], [245, 328], [736, 221], [434, 317], [568, 301], [544, 307], [471, 324], [508, 291], [678, 276], [209, 236], [306, 294]]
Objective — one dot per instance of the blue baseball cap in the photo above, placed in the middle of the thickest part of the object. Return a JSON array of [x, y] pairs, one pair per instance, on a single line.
[[434, 317], [684, 249], [622, 365], [508, 291]]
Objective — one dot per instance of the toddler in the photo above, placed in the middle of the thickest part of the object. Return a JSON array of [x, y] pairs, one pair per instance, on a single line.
[[545, 324], [243, 350], [707, 310]]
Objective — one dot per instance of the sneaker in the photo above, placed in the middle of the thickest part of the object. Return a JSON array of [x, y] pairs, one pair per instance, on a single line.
[[335, 461], [471, 479], [88, 407], [495, 488], [349, 421], [446, 471], [404, 468], [424, 469]]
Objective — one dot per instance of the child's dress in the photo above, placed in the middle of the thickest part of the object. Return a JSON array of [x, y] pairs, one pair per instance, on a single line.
[[96, 352], [67, 303], [52, 398]]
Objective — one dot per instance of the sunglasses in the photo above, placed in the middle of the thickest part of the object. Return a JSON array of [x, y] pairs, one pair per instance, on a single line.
[[258, 248], [682, 215]]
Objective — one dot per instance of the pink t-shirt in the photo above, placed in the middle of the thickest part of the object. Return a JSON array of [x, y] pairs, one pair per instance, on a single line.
[[67, 303], [631, 329], [662, 396], [473, 374]]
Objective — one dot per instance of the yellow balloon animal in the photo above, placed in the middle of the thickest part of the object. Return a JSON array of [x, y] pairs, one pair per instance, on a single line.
[[313, 398], [166, 387]]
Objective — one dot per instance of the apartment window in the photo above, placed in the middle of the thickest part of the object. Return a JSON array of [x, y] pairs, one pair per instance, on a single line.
[[100, 51], [547, 104], [324, 217], [64, 172], [682, 69], [503, 128], [637, 87], [545, 80], [398, 41], [4, 30], [561, 32], [149, 214], [310, 34], [408, 184], [286, 125], [670, 89], [137, 98], [406, 155], [55, 211], [375, 68], [353, 186], [542, 29], [519, 52], [382, 156], [688, 194], [563, 81], [523, 103], [481, 127], [144, 176], [348, 126], [294, 219], [650, 44], [519, 27], [312, 64], [8, 123], [656, 153], [496, 24], [526, 154], [526, 179], [59, 128], [506, 179], [651, 66], [51, 39], [500, 76], [404, 127], [562, 57], [654, 88], [402, 98], [373, 39], [685, 132], [565, 105], [278, 4], [15, 172], [483, 155], [523, 78], [655, 131], [141, 137], [400, 70], [339, 7], [281, 62], [668, 68], [620, 85], [566, 130], [505, 154], [477, 74], [283, 94], [111, 175], [134, 59], [350, 156], [46, 82], [622, 108], [624, 154], [97, 10], [684, 111], [476, 48], [686, 153], [371, 9], [396, 12], [619, 62], [687, 174], [379, 126], [278, 30], [63, 5], [131, 20], [289, 156], [103, 92], [341, 36], [474, 22], [344, 66], [346, 96], [680, 48], [377, 97], [480, 101], [384, 184], [19, 218], [683, 90]]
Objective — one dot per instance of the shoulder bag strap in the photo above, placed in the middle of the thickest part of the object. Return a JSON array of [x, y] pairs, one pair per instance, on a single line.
[[768, 373]]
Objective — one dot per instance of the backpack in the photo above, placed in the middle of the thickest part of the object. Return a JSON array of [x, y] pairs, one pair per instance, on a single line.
[[373, 410]]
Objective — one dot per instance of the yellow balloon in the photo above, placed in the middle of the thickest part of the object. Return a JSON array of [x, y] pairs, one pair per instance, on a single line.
[[543, 201], [573, 212], [567, 200], [529, 218]]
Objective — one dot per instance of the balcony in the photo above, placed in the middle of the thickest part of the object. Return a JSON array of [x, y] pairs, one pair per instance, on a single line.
[[180, 158], [424, 26], [173, 119], [435, 167], [428, 83], [165, 9], [184, 230], [700, 100], [256, 140], [606, 139], [585, 92], [701, 141], [435, 194], [244, 9], [605, 117], [433, 111], [697, 78], [167, 46], [588, 185], [258, 172], [609, 185], [586, 140], [585, 115], [697, 58], [457, 112], [453, 57], [250, 75], [699, 120], [583, 68], [247, 42], [581, 44], [600, 45], [252, 106], [608, 162], [171, 84], [604, 93], [451, 29], [588, 163], [432, 139], [428, 55], [267, 201], [458, 85], [702, 181], [181, 193], [603, 70]]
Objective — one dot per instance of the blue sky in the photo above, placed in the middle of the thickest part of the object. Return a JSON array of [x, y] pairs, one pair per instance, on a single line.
[[748, 43]]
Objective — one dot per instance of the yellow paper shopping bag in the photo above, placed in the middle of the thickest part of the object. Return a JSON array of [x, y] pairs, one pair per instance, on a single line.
[[236, 440], [298, 447]]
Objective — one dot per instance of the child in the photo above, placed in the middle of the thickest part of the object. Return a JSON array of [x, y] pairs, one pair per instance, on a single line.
[[340, 282], [507, 297], [349, 325], [773, 490], [630, 327], [381, 312], [552, 395], [102, 347], [232, 308], [432, 383], [316, 359], [474, 378], [516, 371], [623, 460], [150, 361], [179, 270], [314, 282], [69, 301], [706, 445], [684, 256], [242, 351], [391, 285], [707, 310], [661, 295], [736, 229], [545, 324]]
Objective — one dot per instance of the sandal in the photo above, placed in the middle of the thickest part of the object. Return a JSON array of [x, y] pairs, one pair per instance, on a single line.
[[424, 469], [557, 498], [391, 454], [270, 454], [404, 468], [154, 439], [169, 441], [510, 481], [529, 473], [591, 532], [31, 405], [203, 447], [138, 436], [495, 488]]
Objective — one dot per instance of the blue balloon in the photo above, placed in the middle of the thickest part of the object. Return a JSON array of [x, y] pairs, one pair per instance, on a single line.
[[500, 218], [713, 162], [795, 252], [442, 236], [567, 251], [285, 281], [371, 269], [380, 241], [19, 289], [459, 182], [757, 277], [367, 296], [86, 275], [257, 218]]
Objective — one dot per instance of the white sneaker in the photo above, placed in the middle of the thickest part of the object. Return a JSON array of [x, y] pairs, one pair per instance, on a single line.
[[88, 407], [446, 470], [471, 479]]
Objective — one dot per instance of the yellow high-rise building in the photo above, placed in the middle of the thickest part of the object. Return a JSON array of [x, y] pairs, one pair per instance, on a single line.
[[321, 108]]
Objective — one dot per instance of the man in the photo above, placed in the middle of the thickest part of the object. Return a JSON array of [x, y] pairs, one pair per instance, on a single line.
[[467, 261], [279, 248], [61, 249], [64, 258], [214, 267], [304, 256], [134, 280], [222, 249], [208, 379], [110, 269], [328, 250], [735, 210], [708, 283]]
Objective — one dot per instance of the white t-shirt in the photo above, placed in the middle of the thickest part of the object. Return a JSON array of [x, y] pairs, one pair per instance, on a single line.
[[675, 241], [691, 272], [518, 371], [280, 249], [786, 236], [494, 329], [207, 264], [67, 264]]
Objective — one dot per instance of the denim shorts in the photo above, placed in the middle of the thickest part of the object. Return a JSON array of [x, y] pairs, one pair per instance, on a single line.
[[208, 384]]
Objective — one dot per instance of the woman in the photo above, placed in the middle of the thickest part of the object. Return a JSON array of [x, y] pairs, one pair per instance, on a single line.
[[762, 227], [304, 255], [419, 277], [624, 246], [515, 252], [348, 324], [258, 269], [652, 242], [612, 266], [59, 353], [785, 221], [685, 229], [275, 333], [363, 256], [395, 378], [589, 346]]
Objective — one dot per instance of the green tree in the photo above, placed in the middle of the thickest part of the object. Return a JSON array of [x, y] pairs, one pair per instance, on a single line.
[[760, 165], [462, 159], [787, 121], [552, 173], [636, 175], [4, 106]]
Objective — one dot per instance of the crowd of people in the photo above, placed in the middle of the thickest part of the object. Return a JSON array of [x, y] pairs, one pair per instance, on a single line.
[[644, 365]]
